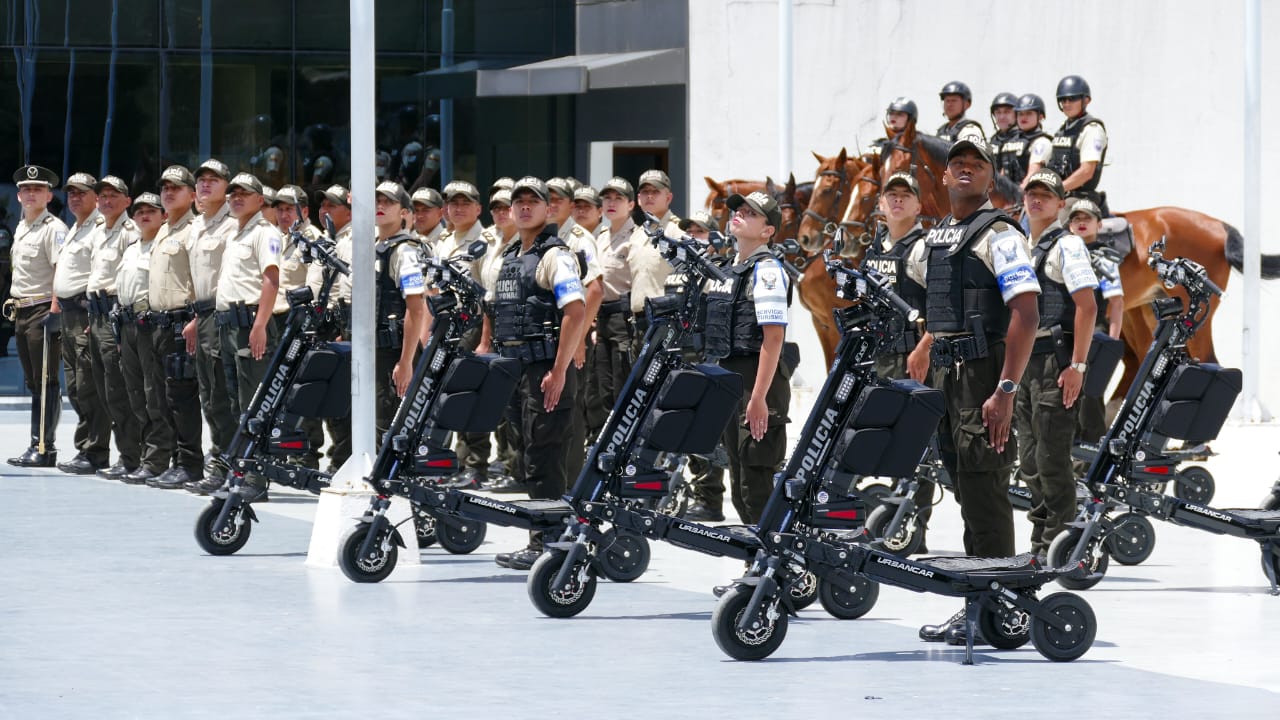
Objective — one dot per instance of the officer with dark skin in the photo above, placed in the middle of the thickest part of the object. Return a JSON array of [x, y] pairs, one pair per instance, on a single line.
[[981, 316], [956, 99], [31, 301], [1080, 145], [70, 282], [1046, 409], [539, 317], [756, 440]]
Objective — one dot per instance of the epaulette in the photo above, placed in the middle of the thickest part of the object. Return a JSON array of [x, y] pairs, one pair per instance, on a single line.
[[128, 224], [100, 221]]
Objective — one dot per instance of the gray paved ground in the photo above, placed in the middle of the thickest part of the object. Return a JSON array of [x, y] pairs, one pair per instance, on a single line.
[[109, 610]]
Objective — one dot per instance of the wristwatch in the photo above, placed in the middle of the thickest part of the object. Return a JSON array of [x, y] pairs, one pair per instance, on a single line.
[[1007, 386], [1080, 367]]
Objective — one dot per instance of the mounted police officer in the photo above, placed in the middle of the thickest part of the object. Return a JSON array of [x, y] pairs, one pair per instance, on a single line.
[[1033, 144], [1080, 145], [1046, 409], [36, 242], [112, 234], [539, 317], [70, 283], [1004, 141], [900, 115], [956, 99], [981, 317], [756, 440], [170, 293], [400, 309]]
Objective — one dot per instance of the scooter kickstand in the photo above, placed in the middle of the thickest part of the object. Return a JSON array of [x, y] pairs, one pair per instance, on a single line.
[[970, 626]]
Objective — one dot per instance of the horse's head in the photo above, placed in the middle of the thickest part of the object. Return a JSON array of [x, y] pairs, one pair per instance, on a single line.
[[827, 203], [715, 203], [862, 212], [788, 204], [925, 158]]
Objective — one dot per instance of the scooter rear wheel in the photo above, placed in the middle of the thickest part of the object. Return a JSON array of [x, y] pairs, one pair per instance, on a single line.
[[374, 568], [874, 494], [1194, 484], [623, 556], [906, 541], [848, 603], [757, 643], [559, 602], [1131, 540], [1095, 559], [460, 536], [221, 541], [1071, 642]]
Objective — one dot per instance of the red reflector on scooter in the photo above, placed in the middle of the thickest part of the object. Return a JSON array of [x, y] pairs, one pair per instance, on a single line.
[[648, 485], [1157, 470], [440, 463], [843, 514], [290, 445]]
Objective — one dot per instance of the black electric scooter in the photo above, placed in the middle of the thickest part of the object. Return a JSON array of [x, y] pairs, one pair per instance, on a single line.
[[1172, 396], [881, 429], [306, 378]]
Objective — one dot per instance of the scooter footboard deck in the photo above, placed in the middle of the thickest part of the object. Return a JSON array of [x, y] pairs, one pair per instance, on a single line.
[[526, 514], [733, 541], [1246, 522]]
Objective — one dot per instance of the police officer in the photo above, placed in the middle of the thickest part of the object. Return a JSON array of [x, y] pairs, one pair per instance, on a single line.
[[900, 115], [205, 248], [335, 207], [170, 293], [142, 369], [956, 99], [1004, 141], [648, 268], [36, 242], [249, 310], [981, 317], [586, 210], [757, 441], [70, 282], [612, 350], [539, 317], [562, 205], [1083, 218], [1046, 410], [428, 211], [1080, 145], [500, 235], [401, 309], [111, 235], [887, 255], [269, 204], [582, 244], [1033, 144]]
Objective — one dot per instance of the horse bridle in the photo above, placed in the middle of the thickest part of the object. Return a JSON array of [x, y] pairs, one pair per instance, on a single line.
[[831, 224]]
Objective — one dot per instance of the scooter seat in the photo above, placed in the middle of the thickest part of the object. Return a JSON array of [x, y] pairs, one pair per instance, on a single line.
[[1025, 561], [740, 532], [545, 506]]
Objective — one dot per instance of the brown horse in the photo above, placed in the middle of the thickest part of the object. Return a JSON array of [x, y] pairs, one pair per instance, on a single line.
[[720, 192], [792, 200], [925, 157]]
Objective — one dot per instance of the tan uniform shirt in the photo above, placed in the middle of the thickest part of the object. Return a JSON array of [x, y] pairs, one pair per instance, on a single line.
[[205, 246], [169, 285], [491, 263], [342, 249], [431, 238], [131, 280], [293, 272], [248, 255], [451, 245], [35, 255], [75, 259], [566, 228], [612, 250], [649, 269], [109, 244], [581, 241]]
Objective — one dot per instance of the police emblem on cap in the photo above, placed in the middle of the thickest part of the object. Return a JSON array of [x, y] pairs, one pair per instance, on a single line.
[[759, 198], [32, 172]]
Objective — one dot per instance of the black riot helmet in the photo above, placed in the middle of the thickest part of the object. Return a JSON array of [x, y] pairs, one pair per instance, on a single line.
[[1030, 101], [1073, 86], [903, 105], [955, 87], [1006, 99]]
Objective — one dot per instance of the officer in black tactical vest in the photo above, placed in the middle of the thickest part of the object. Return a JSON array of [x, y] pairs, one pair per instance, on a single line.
[[756, 442], [887, 255], [1004, 140], [1083, 218], [956, 99], [539, 313], [1033, 144], [981, 316], [898, 116], [1045, 411], [1080, 145], [401, 309]]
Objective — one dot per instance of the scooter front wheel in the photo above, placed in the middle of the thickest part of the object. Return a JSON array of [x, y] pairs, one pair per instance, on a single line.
[[1069, 643], [560, 601], [764, 634], [851, 602], [623, 556], [460, 536], [225, 540], [371, 568], [1095, 559]]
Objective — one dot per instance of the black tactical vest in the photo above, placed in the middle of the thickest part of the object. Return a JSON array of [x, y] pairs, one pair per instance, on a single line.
[[960, 285], [1103, 322], [1065, 158], [892, 264], [747, 336], [389, 299], [1056, 306], [521, 309], [951, 132]]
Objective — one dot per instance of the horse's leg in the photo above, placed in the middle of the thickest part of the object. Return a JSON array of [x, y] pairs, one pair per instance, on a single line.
[[1137, 330], [818, 296]]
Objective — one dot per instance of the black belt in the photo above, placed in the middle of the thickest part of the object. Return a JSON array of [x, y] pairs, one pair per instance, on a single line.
[[529, 351], [1050, 343], [99, 303], [614, 306], [239, 315], [201, 308], [953, 350], [79, 302]]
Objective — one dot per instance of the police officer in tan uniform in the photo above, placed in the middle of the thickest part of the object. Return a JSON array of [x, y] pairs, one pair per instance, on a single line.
[[649, 269], [428, 212], [141, 367], [586, 210], [110, 237], [335, 206], [170, 292], [250, 311], [36, 242], [611, 351], [499, 235], [70, 281], [205, 246], [561, 205]]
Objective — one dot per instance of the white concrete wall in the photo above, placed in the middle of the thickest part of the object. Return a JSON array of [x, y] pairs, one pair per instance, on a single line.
[[1167, 78]]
